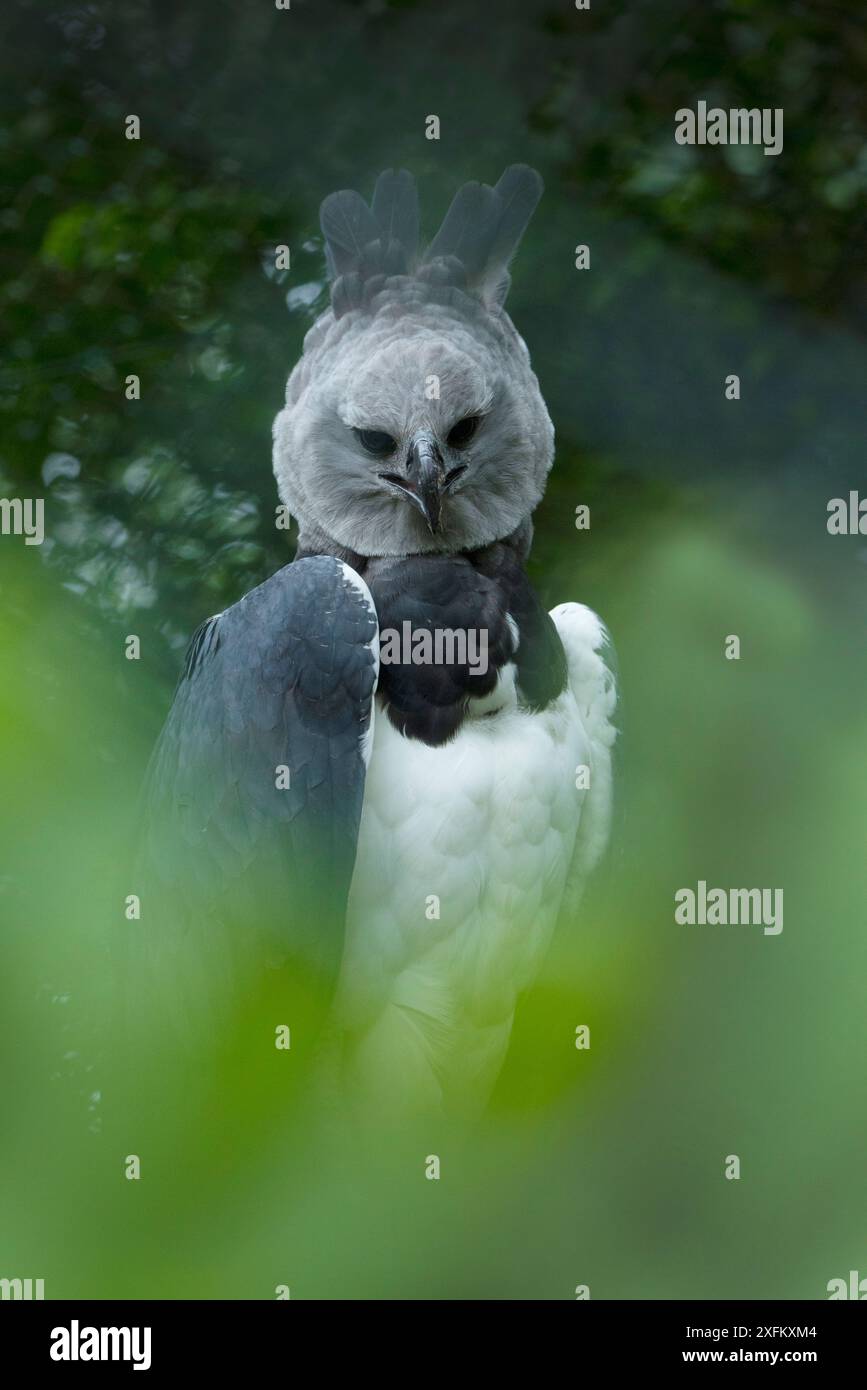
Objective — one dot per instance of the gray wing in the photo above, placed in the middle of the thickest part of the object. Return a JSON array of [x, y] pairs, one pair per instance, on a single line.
[[254, 796]]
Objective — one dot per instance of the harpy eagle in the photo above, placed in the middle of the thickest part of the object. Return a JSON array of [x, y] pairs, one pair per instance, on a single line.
[[393, 825]]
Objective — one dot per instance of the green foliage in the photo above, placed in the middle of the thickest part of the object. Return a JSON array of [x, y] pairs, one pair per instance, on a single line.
[[156, 258]]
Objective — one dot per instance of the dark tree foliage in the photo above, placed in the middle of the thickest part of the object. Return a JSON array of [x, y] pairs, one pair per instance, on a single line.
[[156, 257]]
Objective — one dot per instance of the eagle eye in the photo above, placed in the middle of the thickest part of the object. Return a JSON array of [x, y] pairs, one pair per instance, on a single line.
[[460, 434], [376, 442]]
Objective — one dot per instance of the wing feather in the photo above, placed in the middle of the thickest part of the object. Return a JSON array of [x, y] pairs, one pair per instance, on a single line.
[[241, 871]]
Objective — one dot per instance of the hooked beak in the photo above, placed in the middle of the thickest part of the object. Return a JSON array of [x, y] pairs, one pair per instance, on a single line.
[[426, 481]]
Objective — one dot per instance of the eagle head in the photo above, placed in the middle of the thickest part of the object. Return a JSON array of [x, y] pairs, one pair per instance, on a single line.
[[413, 422]]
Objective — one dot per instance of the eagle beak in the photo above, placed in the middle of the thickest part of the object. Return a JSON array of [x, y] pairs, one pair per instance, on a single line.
[[425, 471], [425, 479]]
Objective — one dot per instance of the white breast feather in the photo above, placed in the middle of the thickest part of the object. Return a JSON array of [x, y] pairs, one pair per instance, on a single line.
[[492, 827]]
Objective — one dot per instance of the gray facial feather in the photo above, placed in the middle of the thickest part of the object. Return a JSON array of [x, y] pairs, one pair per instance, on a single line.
[[409, 354]]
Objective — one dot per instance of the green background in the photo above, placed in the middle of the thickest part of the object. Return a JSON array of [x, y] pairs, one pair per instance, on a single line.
[[602, 1167]]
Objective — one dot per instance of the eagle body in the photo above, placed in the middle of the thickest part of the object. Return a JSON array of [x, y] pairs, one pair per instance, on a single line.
[[464, 855], [376, 839]]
